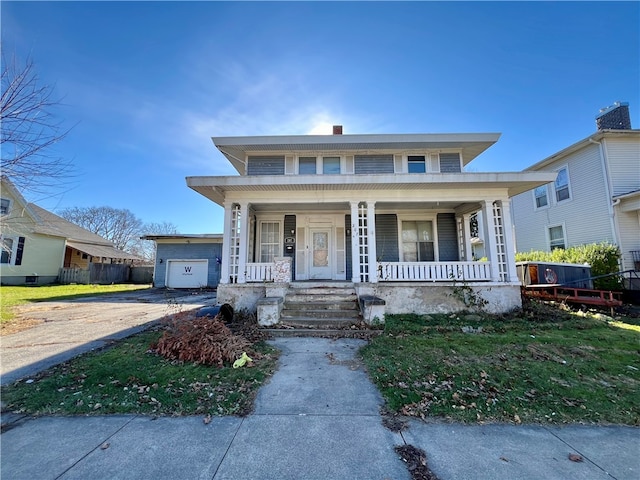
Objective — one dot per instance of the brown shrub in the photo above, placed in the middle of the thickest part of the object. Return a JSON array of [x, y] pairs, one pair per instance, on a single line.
[[202, 340]]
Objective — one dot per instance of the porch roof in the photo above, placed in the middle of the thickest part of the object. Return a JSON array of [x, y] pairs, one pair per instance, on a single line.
[[237, 148], [106, 251], [216, 188]]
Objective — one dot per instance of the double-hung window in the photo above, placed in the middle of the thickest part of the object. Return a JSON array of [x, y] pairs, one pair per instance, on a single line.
[[416, 164], [562, 185], [541, 196], [556, 237], [417, 241], [269, 241]]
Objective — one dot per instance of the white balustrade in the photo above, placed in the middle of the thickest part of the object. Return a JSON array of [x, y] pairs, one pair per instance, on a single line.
[[433, 271]]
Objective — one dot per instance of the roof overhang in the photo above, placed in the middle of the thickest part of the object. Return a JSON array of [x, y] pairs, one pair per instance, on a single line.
[[104, 251], [629, 202], [236, 149], [216, 188], [178, 236]]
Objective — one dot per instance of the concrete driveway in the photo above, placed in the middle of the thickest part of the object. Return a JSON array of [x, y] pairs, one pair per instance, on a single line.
[[71, 327]]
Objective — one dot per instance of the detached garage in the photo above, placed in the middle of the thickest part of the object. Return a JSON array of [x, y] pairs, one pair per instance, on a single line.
[[187, 261]]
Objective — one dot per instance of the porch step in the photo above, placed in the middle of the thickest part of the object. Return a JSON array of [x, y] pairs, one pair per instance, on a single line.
[[323, 332], [320, 306]]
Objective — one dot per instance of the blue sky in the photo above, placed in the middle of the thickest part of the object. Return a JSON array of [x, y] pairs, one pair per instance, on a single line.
[[147, 84]]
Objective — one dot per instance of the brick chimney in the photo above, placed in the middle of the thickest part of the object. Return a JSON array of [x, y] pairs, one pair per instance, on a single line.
[[614, 117], [337, 129]]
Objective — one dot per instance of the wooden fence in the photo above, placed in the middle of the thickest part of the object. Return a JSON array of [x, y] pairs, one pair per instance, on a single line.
[[97, 273]]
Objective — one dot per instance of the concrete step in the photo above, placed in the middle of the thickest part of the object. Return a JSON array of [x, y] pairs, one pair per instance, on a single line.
[[286, 314], [295, 305], [315, 323], [326, 297]]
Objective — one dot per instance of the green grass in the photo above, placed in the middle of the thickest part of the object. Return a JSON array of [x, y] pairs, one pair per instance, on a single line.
[[547, 366], [11, 297], [128, 378]]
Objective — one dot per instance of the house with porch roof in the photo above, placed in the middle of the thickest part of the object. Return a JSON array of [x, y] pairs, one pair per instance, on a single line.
[[385, 216]]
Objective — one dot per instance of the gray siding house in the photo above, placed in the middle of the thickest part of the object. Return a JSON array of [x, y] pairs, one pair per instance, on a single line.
[[595, 197], [385, 215], [187, 261]]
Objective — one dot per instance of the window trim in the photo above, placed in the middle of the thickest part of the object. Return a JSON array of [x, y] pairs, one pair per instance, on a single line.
[[555, 187], [564, 235], [535, 197], [418, 218]]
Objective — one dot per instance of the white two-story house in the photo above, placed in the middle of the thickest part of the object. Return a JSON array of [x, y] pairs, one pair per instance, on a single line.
[[595, 197], [386, 214]]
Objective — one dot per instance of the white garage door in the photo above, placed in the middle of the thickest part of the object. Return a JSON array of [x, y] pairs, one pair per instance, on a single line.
[[187, 273]]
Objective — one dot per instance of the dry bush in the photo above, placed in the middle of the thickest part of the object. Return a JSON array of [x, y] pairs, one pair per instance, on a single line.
[[202, 340]]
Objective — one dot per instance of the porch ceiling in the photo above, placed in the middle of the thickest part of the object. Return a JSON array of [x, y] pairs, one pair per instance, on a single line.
[[237, 148], [216, 188]]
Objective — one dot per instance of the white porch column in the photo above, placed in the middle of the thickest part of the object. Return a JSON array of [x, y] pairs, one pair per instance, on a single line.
[[226, 243], [244, 239], [509, 241], [371, 234], [490, 244], [355, 264]]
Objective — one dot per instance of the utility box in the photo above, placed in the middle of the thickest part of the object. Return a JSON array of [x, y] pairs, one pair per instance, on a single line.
[[544, 273]]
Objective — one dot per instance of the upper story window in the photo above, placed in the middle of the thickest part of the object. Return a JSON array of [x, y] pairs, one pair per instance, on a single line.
[[330, 165], [265, 165], [416, 164], [450, 163], [541, 196], [5, 205], [307, 165], [562, 185]]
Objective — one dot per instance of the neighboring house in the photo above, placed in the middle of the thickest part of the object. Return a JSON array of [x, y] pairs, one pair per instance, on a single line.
[[187, 261], [595, 197], [388, 214], [36, 244]]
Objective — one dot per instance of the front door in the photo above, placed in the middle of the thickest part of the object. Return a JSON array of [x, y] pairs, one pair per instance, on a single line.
[[320, 261]]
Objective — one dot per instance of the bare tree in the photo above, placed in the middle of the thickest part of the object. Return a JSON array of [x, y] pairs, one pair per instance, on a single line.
[[29, 128], [119, 226], [146, 248]]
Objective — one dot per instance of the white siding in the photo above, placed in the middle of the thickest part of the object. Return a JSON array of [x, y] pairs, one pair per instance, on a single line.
[[623, 156], [585, 216], [629, 227]]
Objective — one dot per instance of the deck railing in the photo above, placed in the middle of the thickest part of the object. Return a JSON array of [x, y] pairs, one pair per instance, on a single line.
[[433, 271], [259, 272]]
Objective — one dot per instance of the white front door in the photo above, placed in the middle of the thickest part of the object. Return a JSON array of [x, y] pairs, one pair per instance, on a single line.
[[320, 258]]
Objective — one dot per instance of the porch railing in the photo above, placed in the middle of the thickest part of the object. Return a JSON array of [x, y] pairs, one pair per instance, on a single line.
[[433, 271], [259, 272]]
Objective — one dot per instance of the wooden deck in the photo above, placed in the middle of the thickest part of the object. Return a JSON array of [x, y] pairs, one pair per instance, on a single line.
[[602, 298]]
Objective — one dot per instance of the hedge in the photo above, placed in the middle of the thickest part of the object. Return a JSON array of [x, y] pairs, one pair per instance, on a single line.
[[603, 258]]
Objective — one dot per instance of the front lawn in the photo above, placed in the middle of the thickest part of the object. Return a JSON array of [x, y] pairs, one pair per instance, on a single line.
[[548, 365], [131, 378]]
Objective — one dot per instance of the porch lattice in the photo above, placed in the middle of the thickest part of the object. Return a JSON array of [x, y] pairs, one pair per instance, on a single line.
[[501, 251], [363, 242]]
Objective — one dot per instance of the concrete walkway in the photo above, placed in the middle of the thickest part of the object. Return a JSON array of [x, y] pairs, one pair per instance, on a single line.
[[318, 418]]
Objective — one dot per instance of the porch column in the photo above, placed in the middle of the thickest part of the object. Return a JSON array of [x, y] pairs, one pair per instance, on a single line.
[[244, 239], [226, 243], [491, 250], [509, 241], [372, 260], [355, 263]]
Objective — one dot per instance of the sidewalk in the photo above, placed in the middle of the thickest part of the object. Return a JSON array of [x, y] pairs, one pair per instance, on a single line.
[[318, 418]]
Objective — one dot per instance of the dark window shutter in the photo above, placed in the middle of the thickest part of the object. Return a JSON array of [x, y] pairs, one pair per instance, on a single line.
[[20, 251]]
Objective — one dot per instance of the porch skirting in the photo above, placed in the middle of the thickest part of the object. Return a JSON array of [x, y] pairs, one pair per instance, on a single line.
[[406, 297]]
